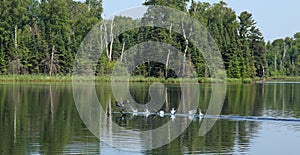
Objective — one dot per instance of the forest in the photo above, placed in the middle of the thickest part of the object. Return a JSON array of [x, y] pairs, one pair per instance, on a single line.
[[41, 37]]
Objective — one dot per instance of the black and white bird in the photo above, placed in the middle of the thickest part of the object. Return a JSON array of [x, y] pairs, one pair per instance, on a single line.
[[161, 113], [134, 111], [200, 114], [121, 104], [147, 112], [173, 111]]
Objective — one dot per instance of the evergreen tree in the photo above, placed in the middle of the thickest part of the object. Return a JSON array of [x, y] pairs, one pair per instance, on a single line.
[[42, 37]]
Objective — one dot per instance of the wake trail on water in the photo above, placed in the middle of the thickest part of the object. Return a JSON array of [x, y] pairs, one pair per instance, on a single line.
[[224, 117]]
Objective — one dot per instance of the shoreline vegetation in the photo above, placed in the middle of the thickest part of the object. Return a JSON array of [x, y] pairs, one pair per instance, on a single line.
[[137, 79], [44, 38]]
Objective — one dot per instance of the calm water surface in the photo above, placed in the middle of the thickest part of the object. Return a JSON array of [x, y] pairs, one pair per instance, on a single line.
[[41, 118]]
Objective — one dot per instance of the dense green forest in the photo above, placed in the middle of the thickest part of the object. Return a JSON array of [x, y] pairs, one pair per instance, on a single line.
[[43, 36]]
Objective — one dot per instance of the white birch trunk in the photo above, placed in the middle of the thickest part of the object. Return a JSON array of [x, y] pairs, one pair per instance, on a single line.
[[167, 64], [51, 61], [111, 38], [101, 37], [170, 30], [275, 60], [122, 53], [16, 36], [186, 47], [89, 6], [168, 56], [283, 55], [106, 40]]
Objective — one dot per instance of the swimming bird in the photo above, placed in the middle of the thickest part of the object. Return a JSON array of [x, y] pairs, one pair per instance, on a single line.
[[161, 113], [192, 112], [125, 102], [134, 110], [147, 112], [200, 113], [121, 105], [173, 111]]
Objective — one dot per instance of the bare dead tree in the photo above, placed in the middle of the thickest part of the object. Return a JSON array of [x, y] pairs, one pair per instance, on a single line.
[[51, 60], [111, 38], [16, 36], [106, 40], [168, 55], [263, 69], [167, 63], [170, 30], [122, 53], [186, 38], [101, 37], [283, 55], [275, 60]]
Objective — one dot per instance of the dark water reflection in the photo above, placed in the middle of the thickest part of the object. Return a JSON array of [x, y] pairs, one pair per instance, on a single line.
[[41, 118]]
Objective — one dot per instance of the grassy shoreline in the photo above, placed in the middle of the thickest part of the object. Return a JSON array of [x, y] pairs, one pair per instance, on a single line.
[[44, 78]]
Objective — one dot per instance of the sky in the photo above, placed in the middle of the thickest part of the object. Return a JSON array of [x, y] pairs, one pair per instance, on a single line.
[[275, 18]]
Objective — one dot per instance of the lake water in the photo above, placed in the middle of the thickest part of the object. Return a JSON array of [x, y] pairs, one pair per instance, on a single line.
[[41, 118]]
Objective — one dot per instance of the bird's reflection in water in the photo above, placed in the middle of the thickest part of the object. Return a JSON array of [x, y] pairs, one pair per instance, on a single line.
[[122, 119]]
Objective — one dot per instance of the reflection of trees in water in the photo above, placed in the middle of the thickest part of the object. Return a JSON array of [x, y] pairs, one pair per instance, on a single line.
[[45, 115], [240, 100], [282, 99], [16, 101], [225, 134], [38, 118]]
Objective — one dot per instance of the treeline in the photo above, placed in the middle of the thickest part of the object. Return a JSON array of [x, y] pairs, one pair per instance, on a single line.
[[42, 37], [283, 56]]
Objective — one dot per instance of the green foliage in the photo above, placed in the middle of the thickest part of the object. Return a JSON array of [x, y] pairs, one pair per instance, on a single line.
[[42, 37]]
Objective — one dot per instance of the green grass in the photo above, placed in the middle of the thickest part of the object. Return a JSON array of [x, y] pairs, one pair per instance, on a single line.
[[68, 78], [34, 78], [241, 80], [283, 78], [247, 80]]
